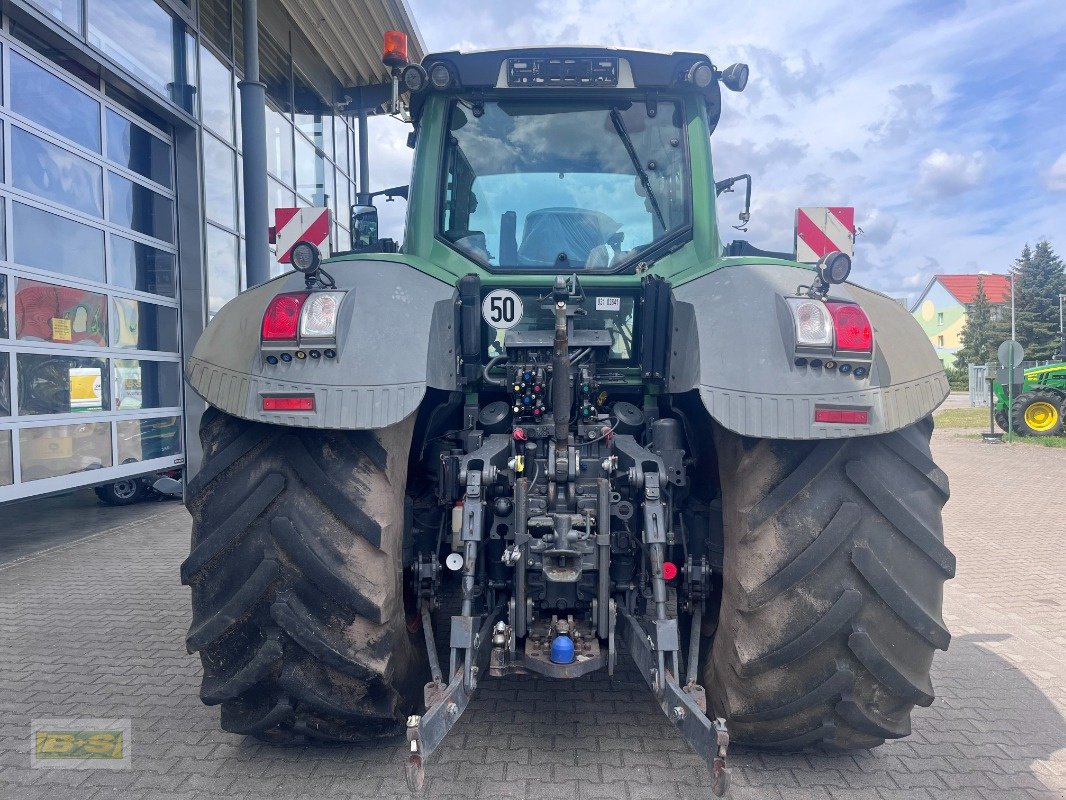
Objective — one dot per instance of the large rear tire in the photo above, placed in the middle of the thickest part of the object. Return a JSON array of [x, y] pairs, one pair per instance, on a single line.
[[295, 569], [833, 588]]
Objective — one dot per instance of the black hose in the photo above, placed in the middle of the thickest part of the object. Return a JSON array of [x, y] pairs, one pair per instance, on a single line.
[[485, 371]]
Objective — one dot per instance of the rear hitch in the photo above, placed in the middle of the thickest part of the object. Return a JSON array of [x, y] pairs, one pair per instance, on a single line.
[[445, 704], [682, 706]]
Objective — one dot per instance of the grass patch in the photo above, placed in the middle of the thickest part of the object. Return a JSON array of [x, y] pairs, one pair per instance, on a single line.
[[961, 418], [1039, 441]]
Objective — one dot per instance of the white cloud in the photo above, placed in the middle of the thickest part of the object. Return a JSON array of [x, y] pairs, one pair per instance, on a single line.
[[1056, 175], [942, 174]]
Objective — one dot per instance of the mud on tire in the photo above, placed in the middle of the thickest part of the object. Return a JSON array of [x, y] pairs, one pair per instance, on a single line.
[[834, 573], [295, 569]]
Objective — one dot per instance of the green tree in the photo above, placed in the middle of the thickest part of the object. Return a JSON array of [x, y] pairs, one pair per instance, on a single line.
[[1039, 279], [978, 335]]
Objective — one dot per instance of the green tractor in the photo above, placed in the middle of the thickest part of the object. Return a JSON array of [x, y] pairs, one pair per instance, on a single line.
[[1039, 401], [562, 423]]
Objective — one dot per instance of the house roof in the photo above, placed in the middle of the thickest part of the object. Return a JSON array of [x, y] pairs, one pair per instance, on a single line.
[[964, 287]]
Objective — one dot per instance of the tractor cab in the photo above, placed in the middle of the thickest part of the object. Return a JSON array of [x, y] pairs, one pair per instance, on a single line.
[[562, 160]]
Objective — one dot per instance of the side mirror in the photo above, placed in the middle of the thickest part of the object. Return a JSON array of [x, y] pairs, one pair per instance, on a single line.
[[364, 220]]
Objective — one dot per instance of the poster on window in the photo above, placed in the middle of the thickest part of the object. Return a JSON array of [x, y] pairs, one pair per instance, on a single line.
[[86, 389], [128, 390]]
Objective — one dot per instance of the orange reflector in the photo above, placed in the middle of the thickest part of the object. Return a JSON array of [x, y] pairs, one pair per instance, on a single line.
[[669, 570], [845, 415], [298, 402], [394, 53]]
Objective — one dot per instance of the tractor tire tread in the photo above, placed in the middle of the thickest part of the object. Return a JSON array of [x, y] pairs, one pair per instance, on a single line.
[[298, 611], [832, 590]]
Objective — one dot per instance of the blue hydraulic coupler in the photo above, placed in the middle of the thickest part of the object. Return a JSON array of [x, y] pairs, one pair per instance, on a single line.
[[562, 650]]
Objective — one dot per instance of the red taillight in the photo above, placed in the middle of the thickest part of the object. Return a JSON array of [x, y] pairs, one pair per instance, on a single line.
[[853, 331], [669, 570], [844, 415], [394, 53], [282, 316], [298, 402]]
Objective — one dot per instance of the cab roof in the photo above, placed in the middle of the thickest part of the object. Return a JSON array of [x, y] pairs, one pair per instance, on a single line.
[[576, 68]]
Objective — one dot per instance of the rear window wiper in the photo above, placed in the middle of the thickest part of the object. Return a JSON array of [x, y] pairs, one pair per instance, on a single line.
[[623, 134]]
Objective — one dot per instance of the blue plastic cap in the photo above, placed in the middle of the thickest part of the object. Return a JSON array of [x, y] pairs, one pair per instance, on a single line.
[[562, 650]]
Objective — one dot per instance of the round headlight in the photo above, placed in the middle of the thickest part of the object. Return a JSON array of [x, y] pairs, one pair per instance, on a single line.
[[305, 257], [440, 76], [701, 74], [414, 77], [834, 267]]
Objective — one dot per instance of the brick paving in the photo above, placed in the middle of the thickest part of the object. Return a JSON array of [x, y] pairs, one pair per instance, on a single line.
[[96, 629]]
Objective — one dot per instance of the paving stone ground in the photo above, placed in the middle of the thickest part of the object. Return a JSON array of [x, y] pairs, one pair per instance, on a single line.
[[96, 629]]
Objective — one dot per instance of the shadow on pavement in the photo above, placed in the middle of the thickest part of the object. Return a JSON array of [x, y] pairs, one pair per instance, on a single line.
[[31, 526]]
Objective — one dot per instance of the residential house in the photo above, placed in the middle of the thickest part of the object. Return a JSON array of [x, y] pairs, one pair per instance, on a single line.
[[942, 306]]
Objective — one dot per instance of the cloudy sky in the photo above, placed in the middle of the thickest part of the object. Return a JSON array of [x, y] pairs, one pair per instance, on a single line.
[[942, 121]]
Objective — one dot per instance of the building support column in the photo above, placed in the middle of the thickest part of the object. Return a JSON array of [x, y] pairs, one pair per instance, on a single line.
[[253, 142], [364, 156]]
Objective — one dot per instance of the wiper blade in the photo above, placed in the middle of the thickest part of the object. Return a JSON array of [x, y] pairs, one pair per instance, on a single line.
[[623, 134]]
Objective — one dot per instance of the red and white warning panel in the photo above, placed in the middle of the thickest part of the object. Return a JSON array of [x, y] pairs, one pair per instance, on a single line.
[[307, 224], [823, 229]]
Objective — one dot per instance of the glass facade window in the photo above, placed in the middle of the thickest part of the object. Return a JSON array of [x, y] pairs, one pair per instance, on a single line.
[[220, 183], [135, 265], [59, 314], [309, 171], [50, 172], [216, 99], [143, 326], [222, 269], [51, 383], [53, 103], [343, 202], [3, 306], [146, 384], [279, 145], [342, 149], [139, 208], [66, 11], [5, 384], [57, 244], [139, 36], [145, 439], [134, 148], [7, 464], [64, 449]]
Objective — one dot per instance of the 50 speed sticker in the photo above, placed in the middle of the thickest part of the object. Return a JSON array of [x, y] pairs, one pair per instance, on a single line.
[[502, 309]]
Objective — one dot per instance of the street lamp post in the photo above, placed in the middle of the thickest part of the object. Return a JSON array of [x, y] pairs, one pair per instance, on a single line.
[[1062, 332]]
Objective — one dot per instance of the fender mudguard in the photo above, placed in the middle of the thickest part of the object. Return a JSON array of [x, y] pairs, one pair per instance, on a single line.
[[734, 342], [395, 337]]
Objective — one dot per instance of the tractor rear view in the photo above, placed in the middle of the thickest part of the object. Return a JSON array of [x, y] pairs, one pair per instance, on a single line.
[[565, 424]]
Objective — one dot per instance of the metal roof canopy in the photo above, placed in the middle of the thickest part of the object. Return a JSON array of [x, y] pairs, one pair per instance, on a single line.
[[348, 34]]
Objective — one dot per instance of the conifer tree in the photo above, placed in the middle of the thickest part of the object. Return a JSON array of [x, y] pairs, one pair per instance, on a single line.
[[1039, 279], [978, 337]]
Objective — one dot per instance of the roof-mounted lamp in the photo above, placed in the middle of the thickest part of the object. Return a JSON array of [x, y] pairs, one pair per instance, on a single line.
[[394, 56]]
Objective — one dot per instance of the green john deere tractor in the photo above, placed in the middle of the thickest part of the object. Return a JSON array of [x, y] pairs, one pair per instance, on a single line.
[[562, 423], [1039, 405]]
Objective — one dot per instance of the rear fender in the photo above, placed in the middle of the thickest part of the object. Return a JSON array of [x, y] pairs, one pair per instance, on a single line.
[[395, 337], [734, 342]]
